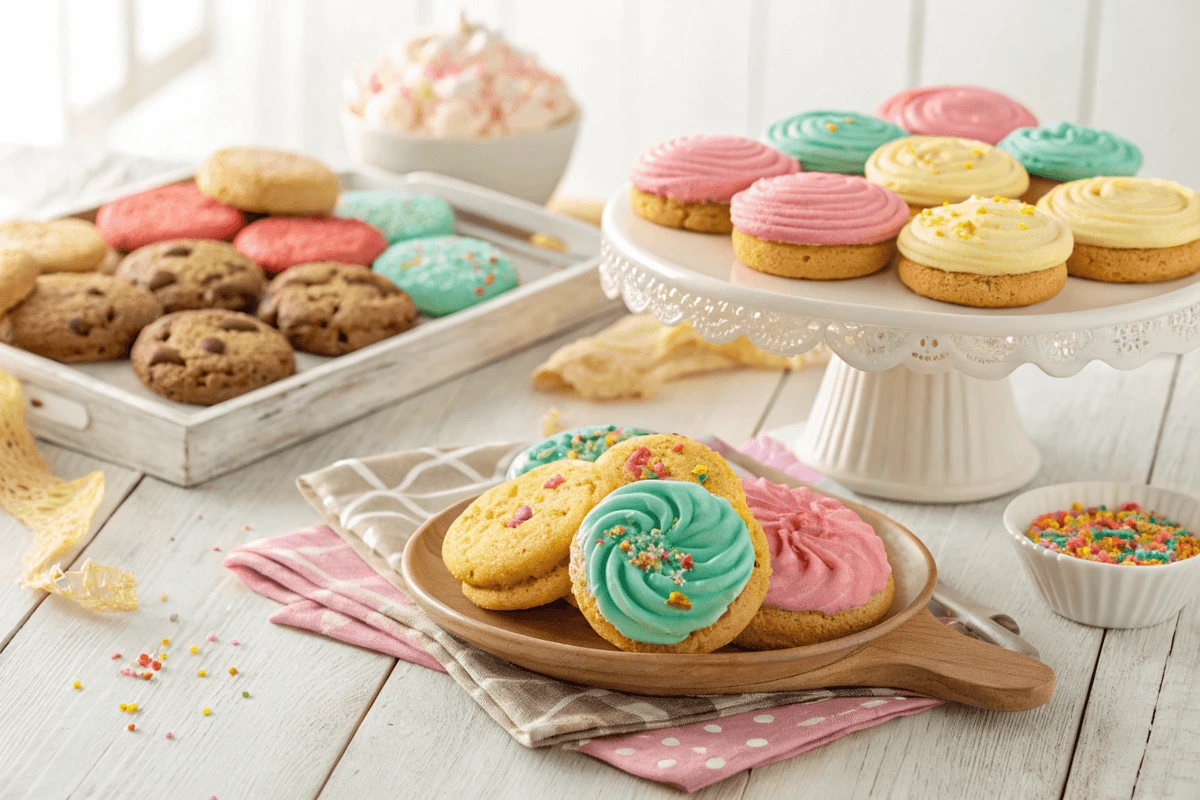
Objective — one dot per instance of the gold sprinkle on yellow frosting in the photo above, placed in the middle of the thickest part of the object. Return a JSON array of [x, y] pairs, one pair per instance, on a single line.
[[1022, 226], [969, 165], [1027, 209]]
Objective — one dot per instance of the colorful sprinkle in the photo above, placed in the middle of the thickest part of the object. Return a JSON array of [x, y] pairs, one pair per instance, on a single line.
[[553, 482], [234, 642], [115, 656], [677, 447], [166, 642], [162, 597], [678, 600], [233, 670], [1130, 535], [212, 637], [193, 649], [77, 686], [245, 694], [522, 514], [131, 727], [207, 712], [202, 673], [170, 735], [637, 461]]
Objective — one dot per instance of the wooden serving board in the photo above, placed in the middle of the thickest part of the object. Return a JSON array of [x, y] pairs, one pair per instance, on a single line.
[[909, 649], [103, 410]]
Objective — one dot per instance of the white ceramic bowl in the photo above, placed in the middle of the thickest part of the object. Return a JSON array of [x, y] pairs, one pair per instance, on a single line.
[[525, 165], [1106, 595]]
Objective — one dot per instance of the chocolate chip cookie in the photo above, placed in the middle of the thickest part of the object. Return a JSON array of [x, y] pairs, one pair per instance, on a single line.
[[330, 309], [74, 317], [195, 273], [209, 355]]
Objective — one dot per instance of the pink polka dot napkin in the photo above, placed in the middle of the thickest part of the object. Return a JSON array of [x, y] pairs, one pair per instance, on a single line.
[[342, 581]]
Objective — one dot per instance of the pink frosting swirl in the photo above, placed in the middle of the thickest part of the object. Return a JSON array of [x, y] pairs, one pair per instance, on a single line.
[[818, 208], [704, 167], [969, 111], [823, 556]]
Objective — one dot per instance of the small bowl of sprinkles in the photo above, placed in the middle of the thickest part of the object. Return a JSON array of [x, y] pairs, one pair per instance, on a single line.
[[1111, 555]]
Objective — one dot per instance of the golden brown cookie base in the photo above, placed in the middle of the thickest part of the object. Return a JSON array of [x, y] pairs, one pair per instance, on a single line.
[[185, 274], [266, 181], [1134, 264], [526, 594], [699, 217], [776, 628], [1038, 186], [705, 640], [983, 291], [815, 262]]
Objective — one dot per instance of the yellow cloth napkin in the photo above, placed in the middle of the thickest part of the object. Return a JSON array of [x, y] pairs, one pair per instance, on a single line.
[[634, 356]]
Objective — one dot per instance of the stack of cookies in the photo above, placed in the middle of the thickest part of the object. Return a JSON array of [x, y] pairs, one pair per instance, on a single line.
[[829, 196], [209, 287], [664, 549]]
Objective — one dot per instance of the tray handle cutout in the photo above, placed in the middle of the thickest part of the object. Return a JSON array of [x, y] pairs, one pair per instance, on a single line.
[[45, 406]]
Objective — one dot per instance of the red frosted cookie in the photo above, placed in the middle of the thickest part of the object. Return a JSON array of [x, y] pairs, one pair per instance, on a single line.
[[175, 211], [277, 243]]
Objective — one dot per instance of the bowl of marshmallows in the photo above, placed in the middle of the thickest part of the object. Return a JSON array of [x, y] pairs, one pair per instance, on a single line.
[[466, 104]]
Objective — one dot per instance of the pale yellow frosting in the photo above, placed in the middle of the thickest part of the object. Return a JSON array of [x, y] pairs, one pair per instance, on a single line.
[[1126, 212], [986, 237], [928, 170]]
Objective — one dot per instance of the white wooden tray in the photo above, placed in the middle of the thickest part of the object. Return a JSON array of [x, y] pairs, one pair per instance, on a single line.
[[103, 410]]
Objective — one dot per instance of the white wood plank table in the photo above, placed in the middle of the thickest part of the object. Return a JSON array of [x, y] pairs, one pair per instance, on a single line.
[[328, 720]]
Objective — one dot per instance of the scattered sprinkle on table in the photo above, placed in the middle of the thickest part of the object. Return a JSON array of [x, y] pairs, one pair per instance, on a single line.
[[207, 712], [233, 670], [77, 686], [170, 735], [234, 642], [216, 549], [162, 597], [202, 673], [1130, 535], [245, 694], [131, 727], [115, 656], [166, 642], [212, 637], [193, 649], [174, 618]]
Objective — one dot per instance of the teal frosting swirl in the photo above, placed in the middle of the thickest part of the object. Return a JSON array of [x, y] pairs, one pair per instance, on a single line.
[[1066, 152], [689, 556], [831, 141], [587, 443]]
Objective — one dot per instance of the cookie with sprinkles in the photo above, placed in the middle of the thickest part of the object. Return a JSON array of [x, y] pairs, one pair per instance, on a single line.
[[669, 456], [665, 566], [444, 274], [511, 545], [587, 443]]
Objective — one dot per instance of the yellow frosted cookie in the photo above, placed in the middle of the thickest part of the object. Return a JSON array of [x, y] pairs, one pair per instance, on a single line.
[[510, 546], [266, 181], [60, 245], [929, 170]]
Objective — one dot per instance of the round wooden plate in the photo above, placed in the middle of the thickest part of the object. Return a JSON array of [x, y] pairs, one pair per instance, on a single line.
[[907, 649]]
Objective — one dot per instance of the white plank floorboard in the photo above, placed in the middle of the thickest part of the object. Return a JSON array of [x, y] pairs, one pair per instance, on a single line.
[[980, 753]]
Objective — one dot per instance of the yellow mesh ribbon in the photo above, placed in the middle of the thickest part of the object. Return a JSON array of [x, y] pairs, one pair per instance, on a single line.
[[58, 512]]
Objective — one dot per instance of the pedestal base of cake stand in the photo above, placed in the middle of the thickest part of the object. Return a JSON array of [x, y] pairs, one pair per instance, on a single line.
[[927, 438]]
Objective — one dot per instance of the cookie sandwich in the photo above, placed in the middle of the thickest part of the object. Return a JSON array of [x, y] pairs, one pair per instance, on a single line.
[[830, 575], [1066, 152], [973, 112], [816, 225], [687, 182], [831, 141], [927, 171], [1128, 230], [510, 547], [672, 561], [996, 253]]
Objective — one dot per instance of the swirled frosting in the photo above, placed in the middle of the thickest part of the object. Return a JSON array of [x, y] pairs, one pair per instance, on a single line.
[[986, 237], [970, 111], [823, 556], [587, 443], [831, 141], [664, 559], [1067, 152], [818, 208], [704, 167], [928, 170], [1126, 212]]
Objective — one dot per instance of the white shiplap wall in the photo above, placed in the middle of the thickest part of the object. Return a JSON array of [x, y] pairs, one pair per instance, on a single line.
[[644, 70]]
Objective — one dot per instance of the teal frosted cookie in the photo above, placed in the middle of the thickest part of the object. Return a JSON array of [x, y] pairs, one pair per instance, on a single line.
[[656, 563], [831, 141], [1066, 152], [444, 274], [587, 443], [399, 216]]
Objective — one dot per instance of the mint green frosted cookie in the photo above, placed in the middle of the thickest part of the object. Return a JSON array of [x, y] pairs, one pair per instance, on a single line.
[[400, 216], [586, 443], [444, 274]]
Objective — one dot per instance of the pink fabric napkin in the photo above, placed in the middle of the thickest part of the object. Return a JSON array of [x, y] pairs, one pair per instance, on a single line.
[[326, 588]]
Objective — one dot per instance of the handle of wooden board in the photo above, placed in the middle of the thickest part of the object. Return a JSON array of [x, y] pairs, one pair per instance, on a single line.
[[930, 658]]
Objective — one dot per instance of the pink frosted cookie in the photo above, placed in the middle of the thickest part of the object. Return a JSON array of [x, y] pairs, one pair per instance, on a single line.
[[687, 182], [816, 225], [830, 575], [277, 243], [972, 112], [175, 211]]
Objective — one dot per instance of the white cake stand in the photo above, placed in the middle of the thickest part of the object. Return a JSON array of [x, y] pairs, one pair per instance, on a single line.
[[916, 404]]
